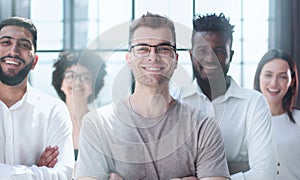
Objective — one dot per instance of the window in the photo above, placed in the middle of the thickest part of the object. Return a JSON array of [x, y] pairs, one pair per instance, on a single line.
[[103, 24]]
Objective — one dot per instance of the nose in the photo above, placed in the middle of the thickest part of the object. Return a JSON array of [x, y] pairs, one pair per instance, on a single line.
[[14, 49], [273, 81], [153, 55], [77, 79]]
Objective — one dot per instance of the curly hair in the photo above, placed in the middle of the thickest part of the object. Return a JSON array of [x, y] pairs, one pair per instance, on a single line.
[[289, 98], [215, 23], [88, 59]]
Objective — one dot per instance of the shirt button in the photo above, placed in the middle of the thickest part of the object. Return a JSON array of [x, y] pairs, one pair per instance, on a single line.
[[277, 172], [278, 164]]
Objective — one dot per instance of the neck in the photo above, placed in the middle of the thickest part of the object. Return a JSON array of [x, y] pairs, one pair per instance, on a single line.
[[214, 88], [276, 109], [9, 95], [151, 101], [77, 109]]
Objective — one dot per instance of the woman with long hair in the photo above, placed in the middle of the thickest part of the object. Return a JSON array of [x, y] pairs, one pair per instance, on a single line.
[[276, 78]]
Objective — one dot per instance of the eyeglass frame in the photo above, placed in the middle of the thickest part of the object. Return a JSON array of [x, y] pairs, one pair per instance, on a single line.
[[155, 46], [79, 76]]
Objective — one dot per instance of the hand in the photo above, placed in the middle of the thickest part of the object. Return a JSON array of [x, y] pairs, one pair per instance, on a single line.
[[49, 157], [115, 176], [186, 178]]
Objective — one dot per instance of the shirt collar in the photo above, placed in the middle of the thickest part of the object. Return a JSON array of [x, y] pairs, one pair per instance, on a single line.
[[234, 90]]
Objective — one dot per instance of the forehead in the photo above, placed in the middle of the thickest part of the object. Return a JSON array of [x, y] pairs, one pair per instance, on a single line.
[[16, 32], [78, 68], [210, 37], [152, 36], [276, 65]]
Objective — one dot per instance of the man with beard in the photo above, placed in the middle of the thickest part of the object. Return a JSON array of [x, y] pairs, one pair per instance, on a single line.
[[35, 129], [242, 114]]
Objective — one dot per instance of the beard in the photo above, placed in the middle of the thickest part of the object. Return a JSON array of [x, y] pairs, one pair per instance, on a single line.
[[13, 80]]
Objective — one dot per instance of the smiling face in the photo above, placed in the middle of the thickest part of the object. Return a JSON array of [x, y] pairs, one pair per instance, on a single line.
[[17, 55], [158, 67], [211, 55], [77, 83], [275, 80]]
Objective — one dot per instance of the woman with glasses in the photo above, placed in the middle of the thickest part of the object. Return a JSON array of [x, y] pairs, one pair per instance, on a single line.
[[77, 79], [277, 79]]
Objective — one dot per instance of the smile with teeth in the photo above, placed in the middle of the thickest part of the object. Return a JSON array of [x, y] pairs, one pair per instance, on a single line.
[[11, 62], [273, 90], [152, 69], [210, 67]]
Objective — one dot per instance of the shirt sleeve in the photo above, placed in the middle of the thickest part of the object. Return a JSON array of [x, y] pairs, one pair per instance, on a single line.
[[92, 160], [261, 148], [59, 134], [211, 161]]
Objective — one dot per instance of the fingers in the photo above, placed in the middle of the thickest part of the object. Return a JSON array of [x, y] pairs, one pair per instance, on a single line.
[[115, 176], [52, 163], [49, 157]]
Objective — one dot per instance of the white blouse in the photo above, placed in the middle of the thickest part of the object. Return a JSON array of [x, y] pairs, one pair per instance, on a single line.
[[287, 138]]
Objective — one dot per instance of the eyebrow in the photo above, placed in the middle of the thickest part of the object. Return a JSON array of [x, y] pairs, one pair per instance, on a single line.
[[269, 71], [71, 71], [21, 39], [220, 47], [160, 44]]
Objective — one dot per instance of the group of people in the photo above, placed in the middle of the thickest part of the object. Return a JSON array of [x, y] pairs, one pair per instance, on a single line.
[[215, 130]]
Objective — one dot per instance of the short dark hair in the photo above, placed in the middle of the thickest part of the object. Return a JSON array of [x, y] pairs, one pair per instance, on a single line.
[[289, 98], [153, 21], [214, 23], [88, 59], [22, 22]]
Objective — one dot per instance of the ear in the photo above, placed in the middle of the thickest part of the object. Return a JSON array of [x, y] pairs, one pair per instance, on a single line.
[[176, 59], [35, 60], [191, 54], [231, 55], [128, 59]]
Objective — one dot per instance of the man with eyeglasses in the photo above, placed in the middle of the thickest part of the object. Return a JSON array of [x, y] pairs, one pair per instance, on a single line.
[[35, 128], [150, 135], [242, 114]]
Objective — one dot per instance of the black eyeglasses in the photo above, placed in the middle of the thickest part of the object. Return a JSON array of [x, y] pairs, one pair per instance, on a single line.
[[143, 50], [71, 76]]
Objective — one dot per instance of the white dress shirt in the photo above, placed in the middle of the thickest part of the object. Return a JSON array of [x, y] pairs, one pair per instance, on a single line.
[[245, 121], [287, 137], [26, 129]]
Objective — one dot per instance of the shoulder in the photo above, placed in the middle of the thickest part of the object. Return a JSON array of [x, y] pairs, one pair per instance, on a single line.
[[104, 115], [101, 111], [44, 102], [296, 114], [250, 95], [186, 108], [193, 116]]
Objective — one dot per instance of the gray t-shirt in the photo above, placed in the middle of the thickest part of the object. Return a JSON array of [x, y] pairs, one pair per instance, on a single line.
[[181, 143]]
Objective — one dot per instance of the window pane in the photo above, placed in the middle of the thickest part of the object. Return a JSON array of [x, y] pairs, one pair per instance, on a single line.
[[249, 72], [117, 84], [113, 12], [256, 29], [41, 76], [49, 23], [217, 6], [254, 50], [256, 9], [50, 35]]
